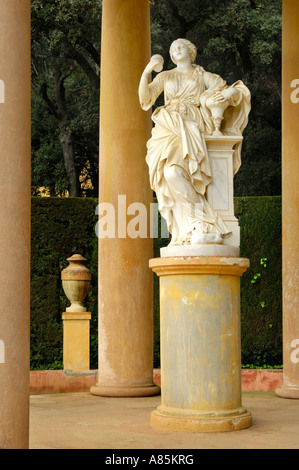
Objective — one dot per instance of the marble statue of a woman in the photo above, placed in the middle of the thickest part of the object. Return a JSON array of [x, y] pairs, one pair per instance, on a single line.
[[177, 155]]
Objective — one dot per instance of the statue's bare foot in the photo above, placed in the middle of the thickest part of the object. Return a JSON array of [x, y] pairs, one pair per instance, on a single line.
[[174, 242]]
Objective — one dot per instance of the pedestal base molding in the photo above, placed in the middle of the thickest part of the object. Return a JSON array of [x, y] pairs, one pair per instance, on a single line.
[[193, 422], [181, 265], [171, 251], [125, 391], [287, 392]]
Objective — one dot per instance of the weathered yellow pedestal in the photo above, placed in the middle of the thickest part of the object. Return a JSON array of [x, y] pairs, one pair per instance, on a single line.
[[76, 342], [200, 344]]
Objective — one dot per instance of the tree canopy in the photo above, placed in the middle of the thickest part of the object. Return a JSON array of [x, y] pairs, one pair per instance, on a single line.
[[65, 82], [238, 39]]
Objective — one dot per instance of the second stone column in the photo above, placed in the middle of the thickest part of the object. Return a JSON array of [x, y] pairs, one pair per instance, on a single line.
[[125, 282]]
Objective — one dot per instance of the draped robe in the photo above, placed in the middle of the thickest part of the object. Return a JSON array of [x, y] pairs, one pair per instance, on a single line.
[[177, 156]]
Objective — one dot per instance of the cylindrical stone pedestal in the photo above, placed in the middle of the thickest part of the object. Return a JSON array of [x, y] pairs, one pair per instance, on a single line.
[[76, 340], [125, 324], [200, 344], [290, 199], [15, 188]]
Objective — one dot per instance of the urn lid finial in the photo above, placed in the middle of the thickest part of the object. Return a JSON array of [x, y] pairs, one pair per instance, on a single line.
[[76, 257], [76, 269]]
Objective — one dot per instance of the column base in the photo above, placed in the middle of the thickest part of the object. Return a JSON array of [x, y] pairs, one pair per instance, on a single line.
[[287, 392], [213, 422], [125, 391]]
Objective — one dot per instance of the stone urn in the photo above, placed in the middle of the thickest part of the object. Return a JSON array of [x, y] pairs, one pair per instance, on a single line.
[[76, 282], [217, 111]]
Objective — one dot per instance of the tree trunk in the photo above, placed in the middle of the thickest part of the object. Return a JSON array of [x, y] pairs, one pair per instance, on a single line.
[[65, 136], [66, 143]]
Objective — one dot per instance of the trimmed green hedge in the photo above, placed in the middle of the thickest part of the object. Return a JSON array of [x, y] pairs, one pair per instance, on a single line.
[[64, 226], [261, 284], [60, 227]]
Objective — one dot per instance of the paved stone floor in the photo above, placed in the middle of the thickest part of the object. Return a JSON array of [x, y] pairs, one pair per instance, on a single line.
[[84, 421]]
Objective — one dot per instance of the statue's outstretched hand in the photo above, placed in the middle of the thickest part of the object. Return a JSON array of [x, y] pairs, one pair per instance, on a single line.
[[223, 95], [218, 97]]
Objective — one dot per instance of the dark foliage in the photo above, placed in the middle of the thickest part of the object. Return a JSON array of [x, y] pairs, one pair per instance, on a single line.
[[62, 227]]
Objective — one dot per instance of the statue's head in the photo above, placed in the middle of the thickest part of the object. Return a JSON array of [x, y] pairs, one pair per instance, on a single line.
[[191, 48]]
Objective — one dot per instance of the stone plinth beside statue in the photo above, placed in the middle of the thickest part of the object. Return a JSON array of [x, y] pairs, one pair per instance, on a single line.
[[220, 196], [220, 193], [193, 154]]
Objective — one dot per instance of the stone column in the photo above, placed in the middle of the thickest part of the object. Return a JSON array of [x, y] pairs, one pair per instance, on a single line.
[[200, 344], [15, 98], [125, 282], [290, 198]]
